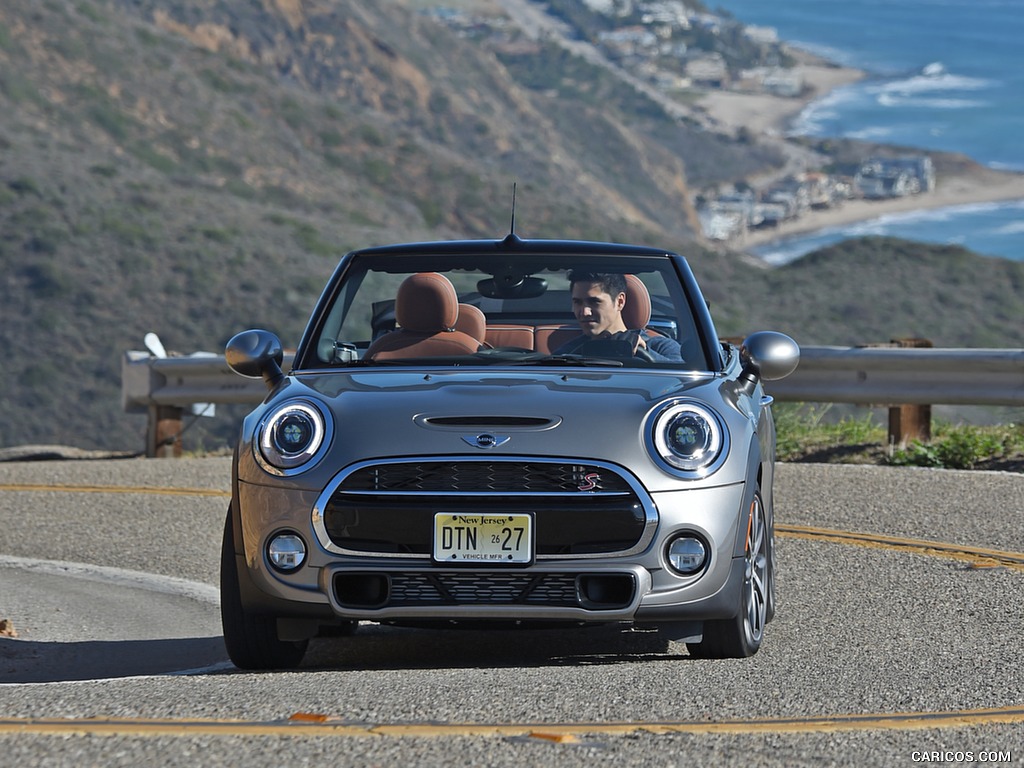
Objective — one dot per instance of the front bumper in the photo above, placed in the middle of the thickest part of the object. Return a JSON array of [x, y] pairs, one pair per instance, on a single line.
[[632, 585]]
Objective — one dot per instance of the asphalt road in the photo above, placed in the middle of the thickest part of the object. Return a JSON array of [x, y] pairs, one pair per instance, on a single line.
[[885, 651]]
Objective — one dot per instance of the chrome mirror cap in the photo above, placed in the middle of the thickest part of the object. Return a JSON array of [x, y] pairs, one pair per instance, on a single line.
[[771, 355]]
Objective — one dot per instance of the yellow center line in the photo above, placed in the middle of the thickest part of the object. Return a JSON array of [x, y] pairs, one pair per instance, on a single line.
[[321, 725], [141, 489], [978, 556]]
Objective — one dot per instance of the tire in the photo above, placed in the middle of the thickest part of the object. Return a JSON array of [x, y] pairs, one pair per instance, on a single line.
[[251, 639], [741, 637]]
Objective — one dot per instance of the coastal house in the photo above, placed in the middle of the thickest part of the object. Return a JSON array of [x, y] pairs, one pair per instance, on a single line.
[[792, 192], [884, 177], [728, 215], [673, 14], [720, 225], [771, 214], [761, 35], [823, 190], [709, 71], [781, 82], [628, 41], [921, 168], [620, 8]]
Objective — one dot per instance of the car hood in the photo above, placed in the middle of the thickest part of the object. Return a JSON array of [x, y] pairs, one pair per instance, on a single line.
[[582, 415]]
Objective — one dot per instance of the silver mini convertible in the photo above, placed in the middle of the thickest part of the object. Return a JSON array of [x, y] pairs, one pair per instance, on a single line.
[[525, 432]]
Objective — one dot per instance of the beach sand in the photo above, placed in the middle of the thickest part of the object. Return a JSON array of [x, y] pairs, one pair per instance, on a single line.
[[769, 117]]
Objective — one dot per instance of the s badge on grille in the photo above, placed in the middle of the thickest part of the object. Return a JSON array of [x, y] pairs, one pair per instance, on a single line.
[[486, 441], [589, 482]]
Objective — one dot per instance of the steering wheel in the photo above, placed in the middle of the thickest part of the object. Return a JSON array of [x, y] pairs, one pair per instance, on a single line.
[[644, 354]]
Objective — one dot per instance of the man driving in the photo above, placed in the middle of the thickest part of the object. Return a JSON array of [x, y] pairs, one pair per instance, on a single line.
[[597, 302]]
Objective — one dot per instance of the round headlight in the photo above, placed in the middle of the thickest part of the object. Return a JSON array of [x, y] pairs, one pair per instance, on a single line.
[[689, 437], [291, 435]]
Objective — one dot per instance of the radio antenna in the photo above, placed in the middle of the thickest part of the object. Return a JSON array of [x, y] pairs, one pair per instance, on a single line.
[[512, 226]]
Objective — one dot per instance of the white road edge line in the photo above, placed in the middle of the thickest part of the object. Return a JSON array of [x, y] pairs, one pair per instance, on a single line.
[[168, 585]]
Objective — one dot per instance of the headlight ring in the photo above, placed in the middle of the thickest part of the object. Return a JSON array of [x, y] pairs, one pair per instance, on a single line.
[[689, 439], [291, 436]]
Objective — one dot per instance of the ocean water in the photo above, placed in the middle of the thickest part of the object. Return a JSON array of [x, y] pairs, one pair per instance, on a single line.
[[943, 74]]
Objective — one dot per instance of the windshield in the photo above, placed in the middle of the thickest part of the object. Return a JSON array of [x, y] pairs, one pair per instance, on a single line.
[[563, 309]]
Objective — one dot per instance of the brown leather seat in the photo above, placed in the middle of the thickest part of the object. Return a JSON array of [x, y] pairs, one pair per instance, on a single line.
[[548, 338], [472, 322], [508, 335], [426, 310]]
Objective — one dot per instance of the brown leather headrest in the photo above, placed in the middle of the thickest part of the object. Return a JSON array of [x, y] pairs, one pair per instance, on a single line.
[[426, 303], [637, 312], [472, 321]]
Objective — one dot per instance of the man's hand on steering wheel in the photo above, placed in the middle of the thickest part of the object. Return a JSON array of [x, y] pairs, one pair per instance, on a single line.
[[637, 343]]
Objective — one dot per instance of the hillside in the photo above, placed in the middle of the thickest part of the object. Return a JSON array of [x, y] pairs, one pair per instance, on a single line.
[[195, 167], [874, 289]]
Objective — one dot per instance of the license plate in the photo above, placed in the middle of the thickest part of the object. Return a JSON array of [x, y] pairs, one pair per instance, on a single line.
[[483, 538]]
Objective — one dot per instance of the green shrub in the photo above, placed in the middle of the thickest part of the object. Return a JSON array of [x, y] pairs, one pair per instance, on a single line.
[[962, 447], [46, 280], [805, 434], [801, 428], [24, 186]]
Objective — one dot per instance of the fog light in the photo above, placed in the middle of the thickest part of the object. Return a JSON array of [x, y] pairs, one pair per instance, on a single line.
[[286, 551], [687, 555]]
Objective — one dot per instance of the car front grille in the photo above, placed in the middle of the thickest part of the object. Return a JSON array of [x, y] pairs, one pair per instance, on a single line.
[[483, 476], [475, 588], [379, 590], [578, 509]]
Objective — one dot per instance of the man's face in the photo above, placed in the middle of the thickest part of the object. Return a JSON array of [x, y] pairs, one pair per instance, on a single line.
[[598, 312]]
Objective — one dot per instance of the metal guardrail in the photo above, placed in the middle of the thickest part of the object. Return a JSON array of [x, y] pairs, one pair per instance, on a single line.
[[898, 376], [865, 375], [880, 376], [147, 381]]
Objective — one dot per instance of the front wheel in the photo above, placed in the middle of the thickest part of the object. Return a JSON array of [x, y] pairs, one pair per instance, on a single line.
[[251, 639], [741, 636]]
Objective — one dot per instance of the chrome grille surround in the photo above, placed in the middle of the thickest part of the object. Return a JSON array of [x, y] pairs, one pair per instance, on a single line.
[[487, 479]]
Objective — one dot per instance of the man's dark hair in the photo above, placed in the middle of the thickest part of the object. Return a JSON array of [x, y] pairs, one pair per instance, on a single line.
[[611, 283]]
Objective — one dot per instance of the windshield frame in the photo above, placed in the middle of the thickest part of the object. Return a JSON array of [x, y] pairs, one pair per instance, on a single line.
[[523, 258]]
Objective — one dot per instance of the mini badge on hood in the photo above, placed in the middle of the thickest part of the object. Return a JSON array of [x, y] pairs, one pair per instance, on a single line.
[[486, 440]]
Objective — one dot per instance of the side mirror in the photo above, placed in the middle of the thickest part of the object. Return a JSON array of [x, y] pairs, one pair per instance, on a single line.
[[769, 355], [254, 354]]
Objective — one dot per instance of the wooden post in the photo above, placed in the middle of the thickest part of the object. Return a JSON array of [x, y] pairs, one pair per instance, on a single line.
[[909, 422], [163, 438]]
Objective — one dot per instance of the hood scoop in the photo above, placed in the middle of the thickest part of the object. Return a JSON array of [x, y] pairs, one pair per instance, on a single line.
[[526, 423]]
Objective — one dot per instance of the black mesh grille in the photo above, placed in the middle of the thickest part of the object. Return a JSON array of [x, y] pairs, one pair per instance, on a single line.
[[484, 476], [484, 589], [378, 590]]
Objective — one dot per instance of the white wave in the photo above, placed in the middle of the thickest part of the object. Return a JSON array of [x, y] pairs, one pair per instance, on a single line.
[[1013, 228], [889, 99], [918, 84], [876, 133], [828, 108], [789, 249]]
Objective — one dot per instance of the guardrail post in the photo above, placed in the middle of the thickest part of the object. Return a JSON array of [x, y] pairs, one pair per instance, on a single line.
[[163, 437], [909, 422]]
